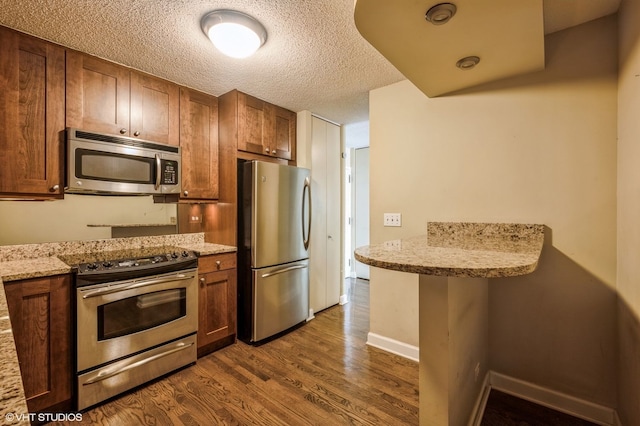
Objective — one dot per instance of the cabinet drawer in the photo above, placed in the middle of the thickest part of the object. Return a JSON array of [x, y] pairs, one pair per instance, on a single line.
[[210, 263]]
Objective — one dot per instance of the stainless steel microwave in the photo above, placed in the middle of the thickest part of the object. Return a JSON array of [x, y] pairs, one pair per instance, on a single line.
[[109, 164]]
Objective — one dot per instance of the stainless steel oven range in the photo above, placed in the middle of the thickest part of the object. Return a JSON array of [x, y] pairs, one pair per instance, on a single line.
[[137, 318]]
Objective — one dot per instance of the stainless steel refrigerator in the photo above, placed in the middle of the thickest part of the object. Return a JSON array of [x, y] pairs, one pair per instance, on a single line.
[[274, 223]]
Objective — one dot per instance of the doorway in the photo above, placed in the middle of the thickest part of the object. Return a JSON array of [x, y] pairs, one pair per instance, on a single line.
[[356, 200]]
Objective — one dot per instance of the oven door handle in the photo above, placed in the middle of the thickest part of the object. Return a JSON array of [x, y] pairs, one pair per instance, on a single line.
[[104, 375], [108, 290]]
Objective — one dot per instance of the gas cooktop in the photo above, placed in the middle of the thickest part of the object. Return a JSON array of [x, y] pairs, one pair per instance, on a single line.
[[114, 265]]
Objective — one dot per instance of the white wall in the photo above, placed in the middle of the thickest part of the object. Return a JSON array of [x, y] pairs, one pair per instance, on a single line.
[[629, 213], [539, 148]]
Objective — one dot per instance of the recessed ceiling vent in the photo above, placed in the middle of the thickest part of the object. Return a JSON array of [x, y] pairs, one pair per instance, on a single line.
[[468, 62], [441, 13]]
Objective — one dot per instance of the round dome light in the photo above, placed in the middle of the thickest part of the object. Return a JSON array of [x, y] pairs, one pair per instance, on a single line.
[[235, 34]]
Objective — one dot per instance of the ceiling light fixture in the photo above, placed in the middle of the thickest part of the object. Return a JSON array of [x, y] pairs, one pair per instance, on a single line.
[[235, 34], [441, 13], [468, 62]]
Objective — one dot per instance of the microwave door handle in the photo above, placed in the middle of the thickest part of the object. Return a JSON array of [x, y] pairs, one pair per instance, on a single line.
[[158, 171]]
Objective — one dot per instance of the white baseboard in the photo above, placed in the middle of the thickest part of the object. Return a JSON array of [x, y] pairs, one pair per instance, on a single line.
[[394, 346], [558, 401], [481, 402], [311, 316]]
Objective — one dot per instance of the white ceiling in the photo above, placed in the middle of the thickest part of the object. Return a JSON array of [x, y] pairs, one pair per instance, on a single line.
[[314, 58]]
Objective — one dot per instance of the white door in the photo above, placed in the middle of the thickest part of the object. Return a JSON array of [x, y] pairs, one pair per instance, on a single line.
[[324, 252], [361, 206]]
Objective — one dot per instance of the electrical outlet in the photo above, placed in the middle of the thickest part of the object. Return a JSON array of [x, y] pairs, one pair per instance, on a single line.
[[195, 219], [393, 245], [392, 219]]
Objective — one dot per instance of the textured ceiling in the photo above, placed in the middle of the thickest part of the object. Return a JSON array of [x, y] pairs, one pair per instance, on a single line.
[[314, 58]]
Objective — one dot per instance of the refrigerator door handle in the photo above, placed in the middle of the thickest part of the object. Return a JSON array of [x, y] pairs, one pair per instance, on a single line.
[[306, 190], [283, 270]]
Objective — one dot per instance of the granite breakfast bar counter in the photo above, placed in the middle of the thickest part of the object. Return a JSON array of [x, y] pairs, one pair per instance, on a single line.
[[454, 262]]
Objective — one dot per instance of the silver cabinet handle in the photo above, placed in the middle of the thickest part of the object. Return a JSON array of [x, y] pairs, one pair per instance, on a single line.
[[273, 152], [266, 150], [186, 193], [136, 133], [158, 171], [104, 374], [54, 188], [123, 131], [218, 264], [108, 290], [283, 270]]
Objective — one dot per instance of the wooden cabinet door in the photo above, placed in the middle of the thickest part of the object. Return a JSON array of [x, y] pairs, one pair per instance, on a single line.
[[217, 306], [97, 95], [31, 115], [284, 134], [266, 129], [217, 300], [155, 109], [199, 145], [253, 122], [40, 313]]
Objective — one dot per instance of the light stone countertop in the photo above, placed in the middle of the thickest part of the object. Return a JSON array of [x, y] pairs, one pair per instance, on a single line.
[[205, 249], [488, 250], [41, 260]]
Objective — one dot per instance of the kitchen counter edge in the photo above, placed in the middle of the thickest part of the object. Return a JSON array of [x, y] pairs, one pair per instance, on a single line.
[[473, 250]]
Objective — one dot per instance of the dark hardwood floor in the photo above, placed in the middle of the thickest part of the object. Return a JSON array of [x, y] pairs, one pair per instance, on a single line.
[[322, 373]]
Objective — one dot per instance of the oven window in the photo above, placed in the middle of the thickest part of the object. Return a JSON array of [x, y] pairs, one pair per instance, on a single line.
[[140, 313], [107, 166]]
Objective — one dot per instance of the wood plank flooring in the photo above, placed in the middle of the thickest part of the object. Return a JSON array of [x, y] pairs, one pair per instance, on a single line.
[[322, 373]]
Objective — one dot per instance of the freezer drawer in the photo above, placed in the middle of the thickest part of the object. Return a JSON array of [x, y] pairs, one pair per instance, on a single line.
[[280, 298]]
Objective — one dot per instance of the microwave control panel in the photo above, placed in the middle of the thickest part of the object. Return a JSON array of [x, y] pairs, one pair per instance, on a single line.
[[169, 172]]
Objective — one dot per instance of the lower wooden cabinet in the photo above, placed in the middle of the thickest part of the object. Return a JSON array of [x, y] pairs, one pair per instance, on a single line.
[[40, 314], [217, 302]]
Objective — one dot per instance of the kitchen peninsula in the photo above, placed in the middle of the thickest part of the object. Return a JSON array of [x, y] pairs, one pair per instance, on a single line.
[[455, 261], [54, 261]]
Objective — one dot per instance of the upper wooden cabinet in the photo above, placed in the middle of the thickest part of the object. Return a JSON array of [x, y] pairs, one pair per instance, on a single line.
[[32, 89], [264, 128], [109, 98], [199, 145]]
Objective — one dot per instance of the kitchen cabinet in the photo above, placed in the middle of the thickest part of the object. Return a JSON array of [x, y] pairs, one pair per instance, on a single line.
[[199, 145], [40, 314], [32, 103], [217, 302], [108, 98], [263, 128]]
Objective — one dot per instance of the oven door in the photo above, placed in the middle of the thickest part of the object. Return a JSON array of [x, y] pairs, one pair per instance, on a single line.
[[118, 319]]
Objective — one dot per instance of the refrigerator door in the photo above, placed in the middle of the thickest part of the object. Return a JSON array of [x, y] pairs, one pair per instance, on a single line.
[[280, 214], [280, 298]]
